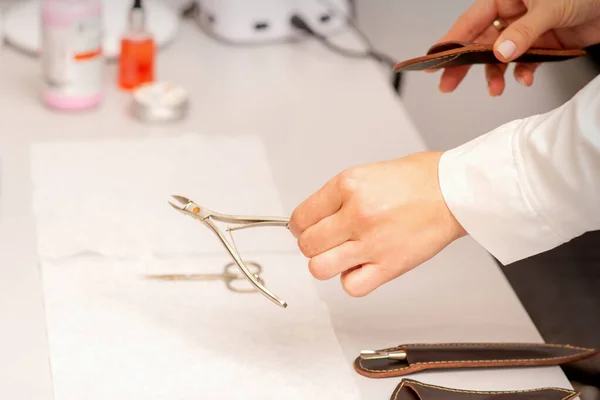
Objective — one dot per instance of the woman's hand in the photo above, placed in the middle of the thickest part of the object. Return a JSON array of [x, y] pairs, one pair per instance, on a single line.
[[553, 24], [375, 222]]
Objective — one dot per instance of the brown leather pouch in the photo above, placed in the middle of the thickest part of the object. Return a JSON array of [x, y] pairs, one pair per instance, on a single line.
[[451, 54], [410, 358], [409, 389]]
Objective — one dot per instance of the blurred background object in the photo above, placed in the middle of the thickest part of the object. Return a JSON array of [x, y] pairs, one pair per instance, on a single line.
[[138, 50], [72, 59], [263, 22], [22, 24], [260, 21]]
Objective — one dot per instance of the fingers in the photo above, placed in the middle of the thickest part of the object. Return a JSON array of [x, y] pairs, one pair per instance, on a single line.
[[326, 234], [452, 77], [362, 280], [473, 22], [524, 73], [494, 74], [520, 35], [323, 203], [338, 260]]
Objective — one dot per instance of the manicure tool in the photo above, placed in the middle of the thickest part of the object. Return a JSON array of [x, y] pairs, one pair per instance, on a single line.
[[229, 275], [413, 389], [208, 217], [410, 358], [451, 54], [383, 355]]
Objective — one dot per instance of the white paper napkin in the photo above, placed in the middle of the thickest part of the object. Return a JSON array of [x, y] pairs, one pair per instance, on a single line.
[[114, 335], [109, 197]]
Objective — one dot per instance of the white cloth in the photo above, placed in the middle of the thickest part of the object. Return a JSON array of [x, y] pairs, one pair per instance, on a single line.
[[115, 335], [109, 197], [531, 184]]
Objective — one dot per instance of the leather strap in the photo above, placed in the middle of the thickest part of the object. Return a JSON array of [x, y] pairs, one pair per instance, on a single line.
[[451, 54], [421, 357], [409, 389]]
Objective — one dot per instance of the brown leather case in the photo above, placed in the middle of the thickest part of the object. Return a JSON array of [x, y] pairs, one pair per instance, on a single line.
[[409, 389], [421, 357], [451, 54]]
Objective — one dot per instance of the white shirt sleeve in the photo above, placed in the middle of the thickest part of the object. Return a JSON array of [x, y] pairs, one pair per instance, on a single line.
[[531, 184]]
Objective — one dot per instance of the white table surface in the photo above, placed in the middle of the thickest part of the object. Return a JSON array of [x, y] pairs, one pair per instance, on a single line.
[[319, 113]]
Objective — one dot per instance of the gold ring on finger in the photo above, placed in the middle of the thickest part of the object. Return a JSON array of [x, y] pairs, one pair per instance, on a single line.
[[499, 24]]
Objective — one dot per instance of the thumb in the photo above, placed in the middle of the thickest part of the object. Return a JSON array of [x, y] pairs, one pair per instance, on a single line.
[[519, 36]]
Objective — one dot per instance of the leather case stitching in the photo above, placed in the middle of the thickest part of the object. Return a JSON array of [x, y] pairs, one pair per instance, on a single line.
[[441, 60], [570, 393], [501, 345], [402, 384], [444, 59], [468, 361], [457, 52], [584, 350]]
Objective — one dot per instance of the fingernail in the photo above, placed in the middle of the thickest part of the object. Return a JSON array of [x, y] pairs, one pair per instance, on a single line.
[[521, 80], [507, 49]]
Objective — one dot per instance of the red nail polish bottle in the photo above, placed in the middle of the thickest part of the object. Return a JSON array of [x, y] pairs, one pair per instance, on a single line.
[[136, 60]]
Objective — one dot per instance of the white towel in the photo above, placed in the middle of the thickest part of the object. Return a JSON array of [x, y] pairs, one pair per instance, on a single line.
[[114, 335], [103, 220]]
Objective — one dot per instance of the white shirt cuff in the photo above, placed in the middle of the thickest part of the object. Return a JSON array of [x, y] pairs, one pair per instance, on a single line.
[[481, 184]]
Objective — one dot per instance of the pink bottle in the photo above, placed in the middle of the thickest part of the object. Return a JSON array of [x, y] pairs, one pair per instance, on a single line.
[[72, 57]]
